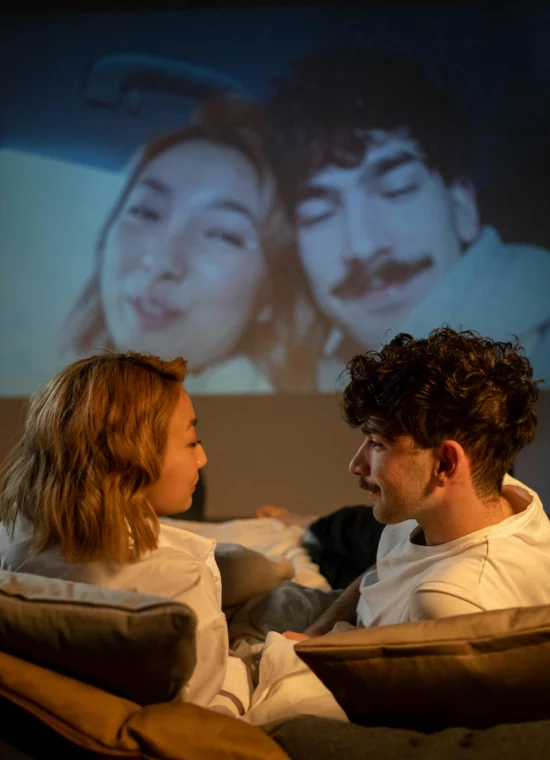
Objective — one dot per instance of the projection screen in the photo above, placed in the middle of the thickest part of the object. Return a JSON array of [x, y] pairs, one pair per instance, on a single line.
[[268, 192]]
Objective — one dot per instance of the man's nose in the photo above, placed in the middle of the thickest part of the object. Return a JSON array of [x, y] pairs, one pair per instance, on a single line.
[[367, 234], [359, 465]]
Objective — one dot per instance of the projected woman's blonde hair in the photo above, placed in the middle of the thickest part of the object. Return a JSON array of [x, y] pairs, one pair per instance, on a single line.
[[275, 348], [94, 439]]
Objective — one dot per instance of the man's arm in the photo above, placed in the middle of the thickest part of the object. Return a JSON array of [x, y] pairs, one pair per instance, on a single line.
[[428, 604], [344, 609]]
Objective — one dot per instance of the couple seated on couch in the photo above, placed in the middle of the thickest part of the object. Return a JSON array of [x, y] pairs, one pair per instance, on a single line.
[[110, 445]]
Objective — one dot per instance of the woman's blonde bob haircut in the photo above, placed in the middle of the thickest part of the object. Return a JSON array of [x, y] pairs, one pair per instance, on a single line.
[[94, 439]]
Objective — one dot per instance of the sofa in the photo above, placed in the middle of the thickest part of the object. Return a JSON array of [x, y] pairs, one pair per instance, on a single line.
[[92, 673]]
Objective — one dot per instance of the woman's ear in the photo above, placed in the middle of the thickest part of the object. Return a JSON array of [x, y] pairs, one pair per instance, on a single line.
[[464, 210]]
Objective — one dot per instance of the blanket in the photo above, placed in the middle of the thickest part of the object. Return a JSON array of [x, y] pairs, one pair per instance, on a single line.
[[266, 535]]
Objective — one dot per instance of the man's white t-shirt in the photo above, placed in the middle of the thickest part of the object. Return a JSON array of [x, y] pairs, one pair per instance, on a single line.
[[504, 565]]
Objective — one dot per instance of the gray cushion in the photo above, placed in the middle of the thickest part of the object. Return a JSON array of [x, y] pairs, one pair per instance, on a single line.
[[308, 738], [136, 646], [246, 573]]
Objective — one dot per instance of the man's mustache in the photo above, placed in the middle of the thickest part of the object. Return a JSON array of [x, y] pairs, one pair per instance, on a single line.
[[361, 275], [366, 486]]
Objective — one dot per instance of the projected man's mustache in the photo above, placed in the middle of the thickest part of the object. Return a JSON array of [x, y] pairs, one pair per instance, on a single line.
[[362, 277]]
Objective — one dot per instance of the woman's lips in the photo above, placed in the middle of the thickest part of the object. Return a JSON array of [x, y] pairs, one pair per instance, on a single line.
[[152, 316]]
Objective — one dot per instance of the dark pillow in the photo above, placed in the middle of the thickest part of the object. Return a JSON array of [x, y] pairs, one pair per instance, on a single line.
[[132, 645]]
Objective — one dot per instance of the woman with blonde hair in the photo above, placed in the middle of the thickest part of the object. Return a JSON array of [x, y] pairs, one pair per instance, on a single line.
[[109, 445], [197, 258]]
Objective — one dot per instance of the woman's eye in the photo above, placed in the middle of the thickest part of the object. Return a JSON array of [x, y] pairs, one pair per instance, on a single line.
[[144, 212], [232, 238], [194, 444]]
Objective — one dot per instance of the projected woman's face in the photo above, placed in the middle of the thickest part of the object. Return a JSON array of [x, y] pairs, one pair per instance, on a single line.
[[183, 269]]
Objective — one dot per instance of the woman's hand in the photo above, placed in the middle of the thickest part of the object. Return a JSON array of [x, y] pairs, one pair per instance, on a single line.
[[295, 636], [286, 517], [268, 510]]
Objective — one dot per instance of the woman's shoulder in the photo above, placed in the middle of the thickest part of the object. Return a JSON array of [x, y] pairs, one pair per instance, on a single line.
[[184, 542], [180, 561], [174, 571]]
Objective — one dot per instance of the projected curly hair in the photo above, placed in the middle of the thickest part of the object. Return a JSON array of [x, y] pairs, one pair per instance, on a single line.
[[94, 439], [450, 386], [323, 112]]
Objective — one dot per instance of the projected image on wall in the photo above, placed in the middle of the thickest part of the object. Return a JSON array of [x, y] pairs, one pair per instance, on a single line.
[[266, 213]]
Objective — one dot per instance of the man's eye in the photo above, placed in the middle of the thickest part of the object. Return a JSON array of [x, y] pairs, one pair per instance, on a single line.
[[375, 444], [400, 192], [313, 212], [310, 221]]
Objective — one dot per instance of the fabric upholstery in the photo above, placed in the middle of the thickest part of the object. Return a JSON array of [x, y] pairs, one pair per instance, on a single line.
[[246, 573], [310, 738], [474, 671], [73, 719], [139, 647]]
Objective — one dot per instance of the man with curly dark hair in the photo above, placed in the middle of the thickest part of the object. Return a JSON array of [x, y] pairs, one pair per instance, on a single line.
[[375, 157], [444, 418]]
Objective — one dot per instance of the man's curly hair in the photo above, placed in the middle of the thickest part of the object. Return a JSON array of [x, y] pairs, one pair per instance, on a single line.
[[450, 386], [322, 112]]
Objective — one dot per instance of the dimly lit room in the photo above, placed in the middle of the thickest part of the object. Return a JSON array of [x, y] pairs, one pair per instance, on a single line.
[[274, 381]]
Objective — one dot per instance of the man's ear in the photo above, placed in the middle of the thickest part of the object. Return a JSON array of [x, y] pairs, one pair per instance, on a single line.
[[450, 461], [464, 210]]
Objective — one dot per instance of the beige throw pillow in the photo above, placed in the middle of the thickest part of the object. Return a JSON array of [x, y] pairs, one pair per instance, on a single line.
[[474, 671]]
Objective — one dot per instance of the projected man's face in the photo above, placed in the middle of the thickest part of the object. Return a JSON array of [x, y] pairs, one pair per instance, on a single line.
[[375, 239], [183, 269]]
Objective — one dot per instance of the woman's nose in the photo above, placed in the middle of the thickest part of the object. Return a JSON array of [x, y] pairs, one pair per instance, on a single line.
[[163, 265], [168, 258], [202, 459]]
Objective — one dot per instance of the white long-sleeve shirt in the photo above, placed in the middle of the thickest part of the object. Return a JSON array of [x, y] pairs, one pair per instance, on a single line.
[[182, 568]]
